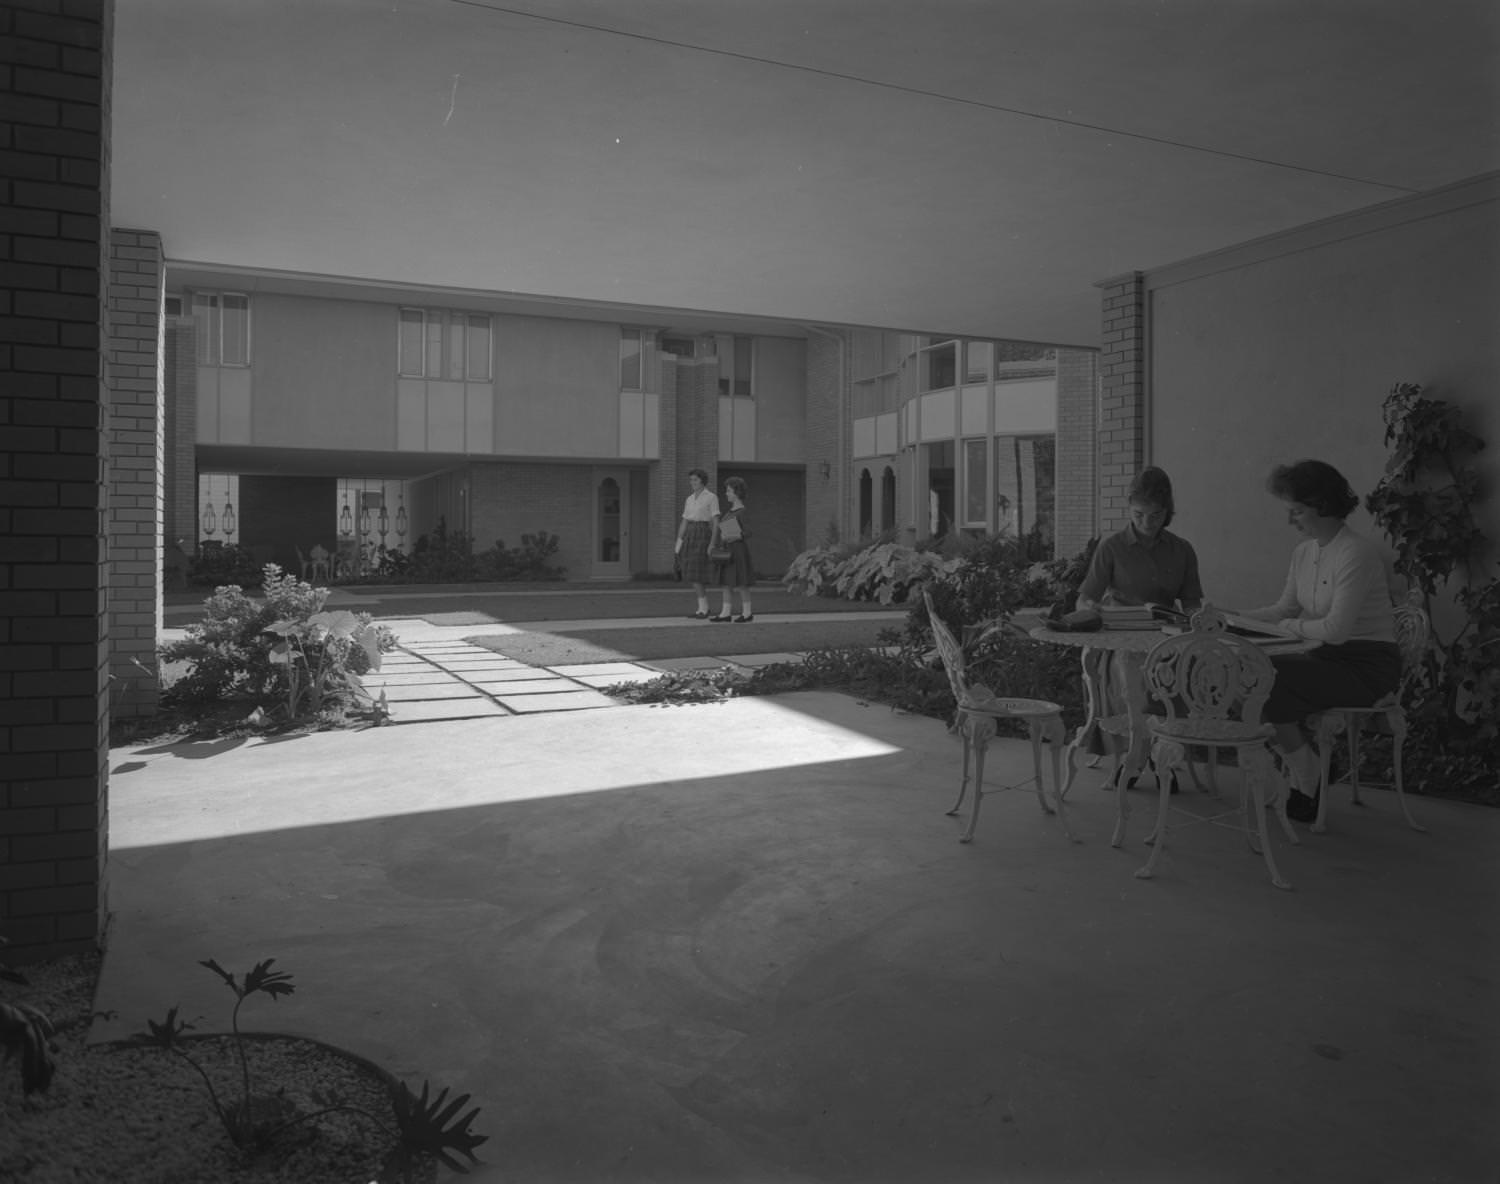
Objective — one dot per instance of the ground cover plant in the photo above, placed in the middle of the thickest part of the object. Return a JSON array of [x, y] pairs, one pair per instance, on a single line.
[[449, 557], [256, 1118]]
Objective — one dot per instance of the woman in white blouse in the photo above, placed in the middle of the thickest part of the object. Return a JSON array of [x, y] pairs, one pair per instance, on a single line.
[[1338, 595], [699, 514]]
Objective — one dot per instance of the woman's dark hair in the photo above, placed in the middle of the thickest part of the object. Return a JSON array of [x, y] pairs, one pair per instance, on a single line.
[[738, 485], [701, 474], [1314, 484], [1153, 487]]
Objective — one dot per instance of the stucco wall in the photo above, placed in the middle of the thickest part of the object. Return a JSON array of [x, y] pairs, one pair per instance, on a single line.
[[780, 420], [1285, 348], [323, 373], [557, 387]]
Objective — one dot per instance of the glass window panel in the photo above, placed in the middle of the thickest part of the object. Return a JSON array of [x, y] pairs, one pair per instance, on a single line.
[[234, 340], [978, 359], [742, 366], [454, 354], [975, 471], [411, 342], [434, 366], [630, 359], [206, 327], [479, 348], [940, 367]]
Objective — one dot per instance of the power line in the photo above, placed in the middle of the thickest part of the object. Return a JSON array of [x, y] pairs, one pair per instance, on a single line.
[[930, 94]]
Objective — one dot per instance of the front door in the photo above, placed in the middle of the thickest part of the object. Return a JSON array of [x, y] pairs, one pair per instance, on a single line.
[[611, 554]]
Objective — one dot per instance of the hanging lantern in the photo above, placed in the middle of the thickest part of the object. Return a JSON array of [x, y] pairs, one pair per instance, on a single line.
[[346, 519], [364, 518], [384, 524], [228, 518], [210, 521], [401, 522]]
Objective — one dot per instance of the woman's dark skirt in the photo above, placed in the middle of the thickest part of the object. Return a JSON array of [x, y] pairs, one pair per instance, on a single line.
[[737, 571], [1354, 674], [696, 568]]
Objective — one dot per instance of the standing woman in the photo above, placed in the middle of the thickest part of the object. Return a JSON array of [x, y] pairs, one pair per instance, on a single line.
[[737, 571], [1337, 594], [700, 515]]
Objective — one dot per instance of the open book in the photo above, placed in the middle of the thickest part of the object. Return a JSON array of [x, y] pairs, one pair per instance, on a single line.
[[1175, 619]]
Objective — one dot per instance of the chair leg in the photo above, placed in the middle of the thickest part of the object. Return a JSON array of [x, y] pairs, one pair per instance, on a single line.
[[1035, 732], [1167, 756], [1055, 740], [963, 786], [980, 743], [1397, 719], [1351, 746], [1257, 772], [1329, 725]]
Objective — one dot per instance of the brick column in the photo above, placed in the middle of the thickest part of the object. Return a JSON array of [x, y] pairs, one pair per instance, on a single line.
[[180, 470], [1077, 451], [54, 722], [664, 503], [1122, 399], [134, 350]]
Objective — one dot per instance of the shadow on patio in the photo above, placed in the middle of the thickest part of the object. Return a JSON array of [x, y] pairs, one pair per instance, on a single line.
[[740, 942]]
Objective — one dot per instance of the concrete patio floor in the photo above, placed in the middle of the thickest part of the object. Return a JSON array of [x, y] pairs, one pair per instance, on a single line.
[[740, 942]]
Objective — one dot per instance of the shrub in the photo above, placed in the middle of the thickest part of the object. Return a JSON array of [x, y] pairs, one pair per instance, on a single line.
[[1425, 504], [529, 561], [223, 563], [443, 557], [233, 651]]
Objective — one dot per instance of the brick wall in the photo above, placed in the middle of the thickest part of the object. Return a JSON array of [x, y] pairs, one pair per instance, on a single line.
[[1122, 396], [828, 498], [510, 499], [133, 351], [1077, 450], [54, 211]]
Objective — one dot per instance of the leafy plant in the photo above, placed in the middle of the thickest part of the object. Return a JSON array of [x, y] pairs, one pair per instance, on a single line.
[[274, 649], [26, 1036], [444, 556], [1426, 505], [255, 1120], [222, 563], [319, 654]]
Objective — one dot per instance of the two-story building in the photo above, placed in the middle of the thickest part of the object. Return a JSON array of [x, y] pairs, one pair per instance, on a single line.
[[306, 411]]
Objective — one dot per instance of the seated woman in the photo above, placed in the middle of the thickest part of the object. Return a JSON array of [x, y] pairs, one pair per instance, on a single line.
[[1336, 594], [1143, 564]]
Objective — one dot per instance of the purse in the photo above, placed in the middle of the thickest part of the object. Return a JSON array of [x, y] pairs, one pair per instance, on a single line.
[[719, 554]]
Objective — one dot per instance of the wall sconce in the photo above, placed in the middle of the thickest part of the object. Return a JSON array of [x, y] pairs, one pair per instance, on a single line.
[[826, 469]]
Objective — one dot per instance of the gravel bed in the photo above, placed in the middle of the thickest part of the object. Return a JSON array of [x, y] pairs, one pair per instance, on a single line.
[[131, 1115]]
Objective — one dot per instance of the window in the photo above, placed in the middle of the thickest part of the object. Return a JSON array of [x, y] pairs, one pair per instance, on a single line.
[[223, 325], [977, 355], [976, 474], [678, 347], [1025, 491], [737, 380], [436, 343], [940, 365], [866, 504], [630, 359]]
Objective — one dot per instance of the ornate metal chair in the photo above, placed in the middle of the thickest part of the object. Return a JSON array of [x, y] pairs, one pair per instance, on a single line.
[[1213, 686], [975, 722], [1412, 630]]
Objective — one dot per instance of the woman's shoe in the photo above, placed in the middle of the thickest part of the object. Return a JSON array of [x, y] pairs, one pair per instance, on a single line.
[[742, 619], [1301, 808], [722, 617], [697, 616]]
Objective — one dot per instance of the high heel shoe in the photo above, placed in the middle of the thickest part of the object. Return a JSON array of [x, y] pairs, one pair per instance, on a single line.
[[742, 619], [722, 617]]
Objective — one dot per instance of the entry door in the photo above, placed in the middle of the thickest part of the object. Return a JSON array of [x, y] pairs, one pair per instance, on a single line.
[[611, 525]]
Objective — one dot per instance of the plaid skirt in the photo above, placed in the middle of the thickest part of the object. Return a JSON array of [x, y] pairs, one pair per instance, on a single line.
[[696, 569]]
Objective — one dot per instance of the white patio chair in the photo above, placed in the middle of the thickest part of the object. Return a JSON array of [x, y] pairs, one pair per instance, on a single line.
[[1387, 714], [975, 722], [1213, 686]]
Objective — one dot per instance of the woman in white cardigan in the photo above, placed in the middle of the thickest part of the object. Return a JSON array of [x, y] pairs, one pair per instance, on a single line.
[[1336, 594]]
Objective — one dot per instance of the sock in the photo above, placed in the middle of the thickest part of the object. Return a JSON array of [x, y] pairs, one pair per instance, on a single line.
[[745, 609], [1302, 763]]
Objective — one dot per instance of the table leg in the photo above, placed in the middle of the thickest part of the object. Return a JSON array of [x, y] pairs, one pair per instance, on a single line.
[[1093, 661]]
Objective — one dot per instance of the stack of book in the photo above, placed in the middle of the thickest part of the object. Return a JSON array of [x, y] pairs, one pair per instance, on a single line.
[[1128, 616]]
